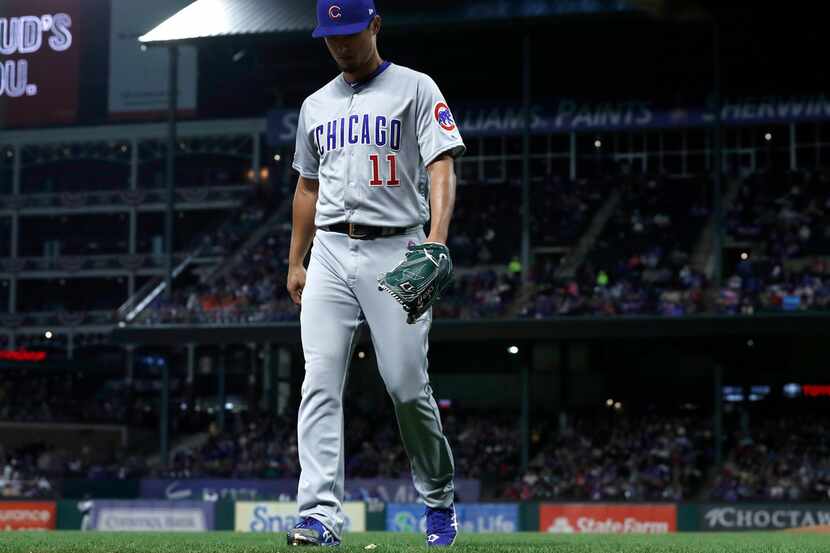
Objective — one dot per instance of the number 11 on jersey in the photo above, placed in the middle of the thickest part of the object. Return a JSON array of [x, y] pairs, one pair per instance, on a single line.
[[393, 171]]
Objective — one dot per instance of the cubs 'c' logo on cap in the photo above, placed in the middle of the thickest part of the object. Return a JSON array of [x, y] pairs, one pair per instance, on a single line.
[[444, 117], [335, 12]]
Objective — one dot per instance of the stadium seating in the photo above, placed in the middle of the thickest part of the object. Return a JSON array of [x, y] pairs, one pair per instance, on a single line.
[[562, 209], [641, 262], [777, 458], [615, 458]]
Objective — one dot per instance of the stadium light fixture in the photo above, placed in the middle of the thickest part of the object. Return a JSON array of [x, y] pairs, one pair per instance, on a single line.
[[277, 157], [744, 256], [361, 354], [610, 402], [597, 143], [768, 136], [618, 406], [48, 334], [513, 350], [792, 390]]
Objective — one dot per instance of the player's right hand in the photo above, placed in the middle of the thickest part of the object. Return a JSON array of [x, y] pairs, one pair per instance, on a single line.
[[296, 283]]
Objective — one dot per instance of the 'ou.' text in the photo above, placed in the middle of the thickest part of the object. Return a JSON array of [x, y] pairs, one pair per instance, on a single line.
[[25, 35]]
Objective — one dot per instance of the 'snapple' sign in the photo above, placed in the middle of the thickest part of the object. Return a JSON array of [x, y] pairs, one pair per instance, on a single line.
[[25, 35]]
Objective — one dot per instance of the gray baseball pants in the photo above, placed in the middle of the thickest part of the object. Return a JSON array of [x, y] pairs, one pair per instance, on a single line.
[[341, 292]]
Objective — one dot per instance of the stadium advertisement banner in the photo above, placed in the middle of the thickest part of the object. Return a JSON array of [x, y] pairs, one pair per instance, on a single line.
[[151, 516], [401, 490], [570, 115], [27, 515], [138, 80], [219, 489], [252, 516], [472, 517], [39, 61], [736, 518], [387, 490], [590, 518]]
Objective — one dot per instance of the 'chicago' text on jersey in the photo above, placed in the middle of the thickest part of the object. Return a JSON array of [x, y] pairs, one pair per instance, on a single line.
[[358, 129]]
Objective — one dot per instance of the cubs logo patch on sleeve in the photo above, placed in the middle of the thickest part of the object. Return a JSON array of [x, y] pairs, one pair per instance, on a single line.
[[444, 117]]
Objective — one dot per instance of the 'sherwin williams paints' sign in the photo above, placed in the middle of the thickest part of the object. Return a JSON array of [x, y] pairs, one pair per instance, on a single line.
[[734, 518], [567, 115]]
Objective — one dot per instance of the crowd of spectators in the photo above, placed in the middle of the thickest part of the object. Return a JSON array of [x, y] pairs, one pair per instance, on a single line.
[[251, 290], [23, 476], [789, 213], [562, 209], [226, 239], [596, 456], [641, 262], [777, 458], [782, 221], [614, 457], [766, 286], [597, 294], [260, 446], [35, 470], [485, 228], [478, 295], [250, 447], [63, 399]]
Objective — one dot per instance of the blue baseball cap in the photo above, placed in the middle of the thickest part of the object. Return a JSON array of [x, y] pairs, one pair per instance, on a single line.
[[343, 17]]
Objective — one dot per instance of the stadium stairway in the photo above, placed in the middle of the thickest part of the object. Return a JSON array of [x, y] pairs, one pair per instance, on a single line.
[[577, 255], [280, 216], [188, 443], [133, 308], [703, 259], [523, 298]]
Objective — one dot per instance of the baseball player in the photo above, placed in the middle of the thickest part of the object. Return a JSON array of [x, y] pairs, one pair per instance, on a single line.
[[375, 150]]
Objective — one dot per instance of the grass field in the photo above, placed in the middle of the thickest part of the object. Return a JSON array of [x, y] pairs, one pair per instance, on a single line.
[[228, 542]]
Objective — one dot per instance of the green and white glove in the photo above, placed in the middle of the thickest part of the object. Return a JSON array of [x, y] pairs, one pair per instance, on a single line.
[[418, 281]]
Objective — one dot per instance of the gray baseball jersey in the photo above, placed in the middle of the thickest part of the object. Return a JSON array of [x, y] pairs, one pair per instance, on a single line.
[[369, 145]]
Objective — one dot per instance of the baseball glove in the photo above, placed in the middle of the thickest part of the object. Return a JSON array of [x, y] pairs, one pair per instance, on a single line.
[[417, 281]]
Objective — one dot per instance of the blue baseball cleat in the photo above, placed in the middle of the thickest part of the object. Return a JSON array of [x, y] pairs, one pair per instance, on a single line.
[[442, 527], [311, 531]]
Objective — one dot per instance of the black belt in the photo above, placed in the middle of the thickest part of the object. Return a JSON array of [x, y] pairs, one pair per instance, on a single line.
[[365, 232]]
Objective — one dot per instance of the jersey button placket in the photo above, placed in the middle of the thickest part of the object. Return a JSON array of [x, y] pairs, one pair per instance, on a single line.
[[349, 193], [349, 161], [354, 251]]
